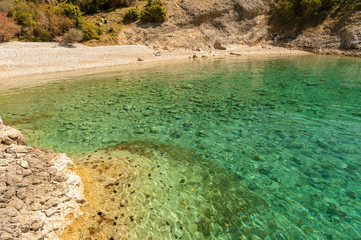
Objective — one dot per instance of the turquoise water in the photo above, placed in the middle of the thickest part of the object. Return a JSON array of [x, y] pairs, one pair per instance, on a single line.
[[289, 129]]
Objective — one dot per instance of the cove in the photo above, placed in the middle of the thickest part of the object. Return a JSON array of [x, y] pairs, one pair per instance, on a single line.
[[236, 148]]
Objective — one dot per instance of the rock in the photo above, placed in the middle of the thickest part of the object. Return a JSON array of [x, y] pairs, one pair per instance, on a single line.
[[10, 136], [24, 164], [157, 54], [219, 46], [351, 38], [140, 59], [128, 107], [37, 191], [99, 24], [156, 129]]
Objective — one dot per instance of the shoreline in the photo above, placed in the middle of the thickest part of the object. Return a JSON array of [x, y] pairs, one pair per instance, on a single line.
[[52, 60]]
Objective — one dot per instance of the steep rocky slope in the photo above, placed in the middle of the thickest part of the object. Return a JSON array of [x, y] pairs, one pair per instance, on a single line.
[[198, 25], [340, 32]]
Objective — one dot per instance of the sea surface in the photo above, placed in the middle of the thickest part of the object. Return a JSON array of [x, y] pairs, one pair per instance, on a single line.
[[271, 146]]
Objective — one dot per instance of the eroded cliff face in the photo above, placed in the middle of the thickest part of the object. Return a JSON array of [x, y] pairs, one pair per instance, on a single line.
[[341, 32], [37, 192], [199, 24]]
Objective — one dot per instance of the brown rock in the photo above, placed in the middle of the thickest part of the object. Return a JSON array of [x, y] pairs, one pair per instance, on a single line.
[[219, 46]]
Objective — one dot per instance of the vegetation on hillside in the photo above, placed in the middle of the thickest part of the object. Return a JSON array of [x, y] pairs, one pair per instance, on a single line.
[[153, 12], [303, 13], [39, 21], [131, 16], [69, 20]]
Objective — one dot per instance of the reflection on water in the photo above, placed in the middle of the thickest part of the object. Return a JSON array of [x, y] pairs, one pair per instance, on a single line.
[[285, 134]]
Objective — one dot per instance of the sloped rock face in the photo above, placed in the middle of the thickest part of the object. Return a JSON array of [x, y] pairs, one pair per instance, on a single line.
[[339, 33], [198, 25], [37, 192]]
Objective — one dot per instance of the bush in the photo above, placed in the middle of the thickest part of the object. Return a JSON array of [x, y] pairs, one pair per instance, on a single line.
[[72, 12], [153, 13], [91, 31], [42, 22], [58, 23], [131, 16], [305, 12], [25, 14], [310, 7], [8, 28], [73, 35]]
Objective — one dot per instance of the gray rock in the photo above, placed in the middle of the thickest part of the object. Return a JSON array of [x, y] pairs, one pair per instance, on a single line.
[[36, 189]]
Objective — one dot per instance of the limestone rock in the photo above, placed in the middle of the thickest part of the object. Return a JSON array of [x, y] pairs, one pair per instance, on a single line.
[[37, 191], [10, 135]]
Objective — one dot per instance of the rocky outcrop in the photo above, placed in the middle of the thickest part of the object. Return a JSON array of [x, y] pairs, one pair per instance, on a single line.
[[339, 35], [203, 25], [37, 192], [199, 25]]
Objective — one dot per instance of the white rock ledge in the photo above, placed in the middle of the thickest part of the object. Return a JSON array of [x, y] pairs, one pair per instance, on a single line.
[[37, 192]]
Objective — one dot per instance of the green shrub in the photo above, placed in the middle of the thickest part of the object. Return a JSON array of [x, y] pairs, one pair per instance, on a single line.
[[154, 2], [24, 14], [131, 16], [153, 13], [73, 12], [310, 7], [91, 31], [305, 12]]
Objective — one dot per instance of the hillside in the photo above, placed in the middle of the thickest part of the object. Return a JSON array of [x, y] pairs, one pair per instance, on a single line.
[[200, 24], [315, 25]]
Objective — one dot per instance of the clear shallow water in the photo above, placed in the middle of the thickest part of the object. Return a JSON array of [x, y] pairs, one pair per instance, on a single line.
[[288, 129]]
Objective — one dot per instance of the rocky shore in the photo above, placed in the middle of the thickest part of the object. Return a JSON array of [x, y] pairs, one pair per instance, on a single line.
[[37, 192]]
